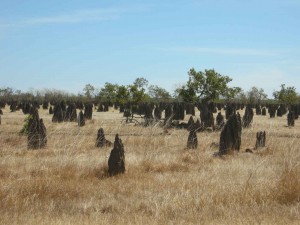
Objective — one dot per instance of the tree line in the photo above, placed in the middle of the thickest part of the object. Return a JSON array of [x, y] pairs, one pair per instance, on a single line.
[[202, 86]]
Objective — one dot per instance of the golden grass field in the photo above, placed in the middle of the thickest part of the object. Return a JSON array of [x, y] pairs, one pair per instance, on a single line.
[[164, 183]]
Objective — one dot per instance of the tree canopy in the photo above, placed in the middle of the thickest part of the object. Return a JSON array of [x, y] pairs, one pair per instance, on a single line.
[[202, 86], [141, 83], [108, 93], [123, 94], [158, 93], [207, 86], [286, 95], [256, 95], [89, 91]]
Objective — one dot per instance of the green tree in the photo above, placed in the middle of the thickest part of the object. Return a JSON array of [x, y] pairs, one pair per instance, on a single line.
[[158, 93], [123, 94], [137, 90], [108, 93], [141, 83], [286, 95], [137, 95], [186, 94], [207, 86]]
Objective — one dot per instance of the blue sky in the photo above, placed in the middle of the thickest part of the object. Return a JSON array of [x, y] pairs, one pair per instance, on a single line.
[[67, 44]]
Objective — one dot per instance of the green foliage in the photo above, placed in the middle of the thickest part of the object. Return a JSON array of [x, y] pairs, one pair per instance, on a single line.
[[158, 93], [137, 91], [108, 93], [24, 130], [201, 86], [286, 95], [207, 86], [123, 94], [140, 83], [138, 95], [186, 94]]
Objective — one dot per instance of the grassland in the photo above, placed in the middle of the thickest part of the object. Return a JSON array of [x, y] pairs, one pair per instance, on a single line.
[[164, 183]]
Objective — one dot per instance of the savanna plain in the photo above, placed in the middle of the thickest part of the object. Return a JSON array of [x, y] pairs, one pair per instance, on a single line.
[[164, 183]]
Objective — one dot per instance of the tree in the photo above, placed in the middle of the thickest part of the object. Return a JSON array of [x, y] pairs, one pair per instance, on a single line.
[[157, 92], [256, 95], [186, 94], [207, 86], [286, 95], [108, 93], [141, 83], [6, 91], [89, 91], [54, 95], [137, 90], [123, 94], [136, 95], [241, 97]]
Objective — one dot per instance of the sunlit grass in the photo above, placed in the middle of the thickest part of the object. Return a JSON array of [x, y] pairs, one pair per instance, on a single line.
[[164, 183]]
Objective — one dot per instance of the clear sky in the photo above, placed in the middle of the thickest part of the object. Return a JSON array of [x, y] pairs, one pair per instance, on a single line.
[[65, 44]]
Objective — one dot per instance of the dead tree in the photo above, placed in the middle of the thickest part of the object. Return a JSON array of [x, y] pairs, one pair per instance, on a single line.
[[116, 161]]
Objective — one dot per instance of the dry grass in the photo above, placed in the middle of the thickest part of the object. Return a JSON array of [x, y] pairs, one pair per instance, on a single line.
[[164, 183]]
